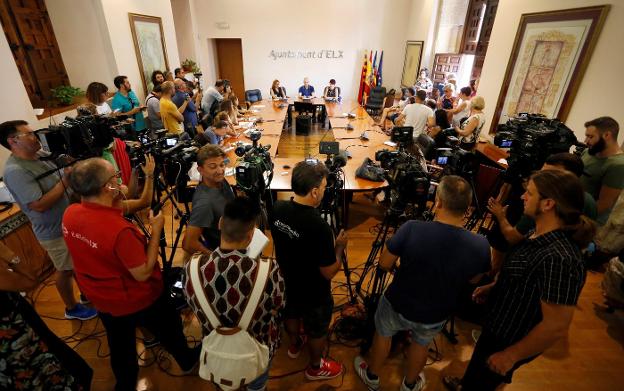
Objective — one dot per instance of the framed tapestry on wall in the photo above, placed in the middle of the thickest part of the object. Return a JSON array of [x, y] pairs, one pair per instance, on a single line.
[[149, 45], [547, 62], [411, 65]]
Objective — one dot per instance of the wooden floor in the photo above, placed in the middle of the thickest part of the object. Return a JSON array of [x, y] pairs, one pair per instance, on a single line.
[[592, 358]]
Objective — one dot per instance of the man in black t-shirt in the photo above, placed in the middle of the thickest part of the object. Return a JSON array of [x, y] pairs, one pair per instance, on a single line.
[[309, 259], [437, 259]]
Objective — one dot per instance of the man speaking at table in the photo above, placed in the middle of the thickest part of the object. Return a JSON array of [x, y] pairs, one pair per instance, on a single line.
[[306, 90]]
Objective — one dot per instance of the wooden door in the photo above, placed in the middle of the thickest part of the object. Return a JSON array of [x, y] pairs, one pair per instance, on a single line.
[[445, 63], [29, 32], [484, 37], [470, 37], [230, 63]]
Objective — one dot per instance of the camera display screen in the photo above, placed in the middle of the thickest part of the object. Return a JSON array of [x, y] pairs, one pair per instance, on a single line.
[[171, 142], [506, 144], [442, 160]]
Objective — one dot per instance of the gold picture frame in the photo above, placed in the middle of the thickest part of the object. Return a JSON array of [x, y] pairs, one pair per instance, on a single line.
[[149, 46]]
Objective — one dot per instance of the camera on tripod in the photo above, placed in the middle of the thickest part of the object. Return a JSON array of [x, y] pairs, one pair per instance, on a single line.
[[254, 171], [531, 138], [84, 136]]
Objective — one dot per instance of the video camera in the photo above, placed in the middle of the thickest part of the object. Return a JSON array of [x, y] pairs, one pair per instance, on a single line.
[[254, 171], [84, 136], [531, 138]]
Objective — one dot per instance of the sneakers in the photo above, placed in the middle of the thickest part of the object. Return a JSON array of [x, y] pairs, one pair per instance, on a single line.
[[294, 350], [360, 368], [329, 369], [420, 384], [80, 312]]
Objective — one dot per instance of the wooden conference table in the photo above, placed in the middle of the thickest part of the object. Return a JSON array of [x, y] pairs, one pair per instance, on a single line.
[[287, 148]]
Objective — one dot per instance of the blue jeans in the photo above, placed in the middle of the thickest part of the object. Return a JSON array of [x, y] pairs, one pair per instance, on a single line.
[[259, 383], [388, 322]]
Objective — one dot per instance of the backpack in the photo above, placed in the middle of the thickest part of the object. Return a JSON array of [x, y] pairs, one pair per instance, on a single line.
[[230, 357]]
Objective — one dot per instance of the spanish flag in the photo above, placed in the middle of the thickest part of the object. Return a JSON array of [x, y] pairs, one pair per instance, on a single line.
[[362, 81]]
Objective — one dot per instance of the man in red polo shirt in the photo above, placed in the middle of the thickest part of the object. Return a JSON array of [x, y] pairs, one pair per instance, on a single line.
[[117, 269]]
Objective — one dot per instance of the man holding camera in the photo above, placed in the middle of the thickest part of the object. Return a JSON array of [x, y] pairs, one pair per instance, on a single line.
[[41, 192], [438, 258], [212, 193], [182, 95], [125, 102], [212, 95], [309, 259], [118, 270]]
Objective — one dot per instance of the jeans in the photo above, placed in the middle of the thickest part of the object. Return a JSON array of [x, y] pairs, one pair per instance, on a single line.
[[388, 322], [162, 320]]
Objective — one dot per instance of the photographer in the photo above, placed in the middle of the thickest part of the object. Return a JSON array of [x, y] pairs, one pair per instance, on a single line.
[[532, 302], [118, 270], [211, 195], [309, 259], [170, 114], [604, 164], [182, 94], [43, 199], [126, 102], [427, 283]]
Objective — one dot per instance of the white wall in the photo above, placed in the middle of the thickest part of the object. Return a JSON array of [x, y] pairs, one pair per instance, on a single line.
[[81, 41], [600, 91], [118, 25], [183, 28], [348, 25], [422, 25]]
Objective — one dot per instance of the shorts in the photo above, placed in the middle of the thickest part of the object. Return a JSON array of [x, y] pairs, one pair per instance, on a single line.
[[393, 116], [478, 375], [58, 252], [388, 322], [316, 318]]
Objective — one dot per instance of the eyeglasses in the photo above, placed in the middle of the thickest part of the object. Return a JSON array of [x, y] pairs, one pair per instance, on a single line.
[[116, 175], [29, 133]]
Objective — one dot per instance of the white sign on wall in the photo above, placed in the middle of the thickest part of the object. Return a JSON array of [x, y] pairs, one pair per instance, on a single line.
[[323, 54]]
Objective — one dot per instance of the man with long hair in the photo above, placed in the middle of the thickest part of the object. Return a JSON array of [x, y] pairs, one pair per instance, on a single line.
[[532, 301]]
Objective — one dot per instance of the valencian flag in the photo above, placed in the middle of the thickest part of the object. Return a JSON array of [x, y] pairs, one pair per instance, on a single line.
[[362, 81], [369, 72], [379, 81]]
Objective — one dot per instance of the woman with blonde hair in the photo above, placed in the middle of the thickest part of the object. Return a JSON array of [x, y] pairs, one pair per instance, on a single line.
[[471, 128], [228, 107], [224, 116]]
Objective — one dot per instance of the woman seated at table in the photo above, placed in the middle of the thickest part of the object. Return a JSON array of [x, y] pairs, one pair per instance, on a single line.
[[229, 108], [470, 129], [441, 123], [331, 92], [277, 91], [216, 133], [224, 116]]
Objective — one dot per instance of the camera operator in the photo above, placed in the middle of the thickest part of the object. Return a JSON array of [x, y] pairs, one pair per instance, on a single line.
[[182, 95], [604, 164], [210, 197], [309, 259], [559, 161], [43, 201], [426, 286], [118, 270], [531, 304]]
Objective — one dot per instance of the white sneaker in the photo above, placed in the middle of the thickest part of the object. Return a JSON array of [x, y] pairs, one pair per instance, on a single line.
[[420, 384], [360, 369]]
